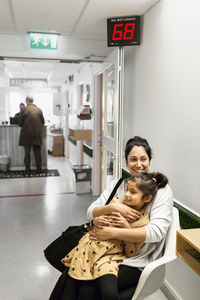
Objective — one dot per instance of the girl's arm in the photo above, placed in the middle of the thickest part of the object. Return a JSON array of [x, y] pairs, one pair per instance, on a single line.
[[160, 220], [98, 207], [129, 213], [124, 234], [100, 202], [113, 220]]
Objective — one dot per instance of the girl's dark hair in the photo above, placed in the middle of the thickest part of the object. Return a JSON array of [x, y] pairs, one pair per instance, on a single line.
[[137, 141], [149, 183]]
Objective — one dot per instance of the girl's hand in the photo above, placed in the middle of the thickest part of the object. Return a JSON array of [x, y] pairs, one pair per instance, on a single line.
[[101, 221], [127, 212], [117, 220], [102, 234]]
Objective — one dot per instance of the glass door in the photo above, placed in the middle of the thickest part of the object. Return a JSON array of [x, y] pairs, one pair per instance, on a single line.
[[107, 123]]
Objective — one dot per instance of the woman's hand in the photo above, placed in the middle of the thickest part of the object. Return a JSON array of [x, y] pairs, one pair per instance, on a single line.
[[127, 212], [117, 220], [101, 221], [102, 234]]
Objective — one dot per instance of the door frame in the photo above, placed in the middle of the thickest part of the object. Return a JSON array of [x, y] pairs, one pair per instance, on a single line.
[[116, 58], [97, 133]]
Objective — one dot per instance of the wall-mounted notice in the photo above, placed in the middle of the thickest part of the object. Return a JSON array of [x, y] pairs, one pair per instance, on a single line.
[[28, 82]]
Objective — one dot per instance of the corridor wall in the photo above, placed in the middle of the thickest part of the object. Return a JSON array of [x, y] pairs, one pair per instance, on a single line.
[[161, 103]]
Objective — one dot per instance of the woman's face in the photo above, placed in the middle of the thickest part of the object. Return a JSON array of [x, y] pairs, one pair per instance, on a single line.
[[138, 160]]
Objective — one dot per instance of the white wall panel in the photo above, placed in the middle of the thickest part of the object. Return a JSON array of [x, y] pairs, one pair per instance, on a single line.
[[162, 93]]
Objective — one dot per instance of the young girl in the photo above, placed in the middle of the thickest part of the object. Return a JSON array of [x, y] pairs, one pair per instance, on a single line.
[[95, 260]]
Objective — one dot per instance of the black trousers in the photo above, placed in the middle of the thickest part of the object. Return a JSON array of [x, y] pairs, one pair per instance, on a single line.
[[38, 157], [107, 286], [128, 278]]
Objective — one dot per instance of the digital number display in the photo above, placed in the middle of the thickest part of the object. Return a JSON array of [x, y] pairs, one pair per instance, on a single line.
[[123, 31]]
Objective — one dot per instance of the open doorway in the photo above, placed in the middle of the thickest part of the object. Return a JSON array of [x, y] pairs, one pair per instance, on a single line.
[[58, 96]]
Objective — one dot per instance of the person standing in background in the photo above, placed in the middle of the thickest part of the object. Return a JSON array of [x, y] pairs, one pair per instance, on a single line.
[[19, 114], [31, 121]]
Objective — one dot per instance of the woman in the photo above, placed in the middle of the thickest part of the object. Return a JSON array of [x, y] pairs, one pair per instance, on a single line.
[[138, 155], [99, 260]]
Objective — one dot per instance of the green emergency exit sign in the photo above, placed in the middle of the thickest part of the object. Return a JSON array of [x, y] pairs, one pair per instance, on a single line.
[[43, 41]]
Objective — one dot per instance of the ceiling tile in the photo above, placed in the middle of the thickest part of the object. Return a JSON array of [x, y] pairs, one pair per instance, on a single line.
[[84, 21], [59, 15], [93, 21], [6, 20]]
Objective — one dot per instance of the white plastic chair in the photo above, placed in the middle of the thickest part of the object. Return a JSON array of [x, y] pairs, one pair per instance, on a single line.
[[153, 275]]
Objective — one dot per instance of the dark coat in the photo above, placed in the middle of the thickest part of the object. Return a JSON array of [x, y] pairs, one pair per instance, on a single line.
[[17, 117], [31, 122]]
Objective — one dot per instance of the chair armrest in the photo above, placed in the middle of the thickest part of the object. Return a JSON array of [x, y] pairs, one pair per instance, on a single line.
[[152, 277]]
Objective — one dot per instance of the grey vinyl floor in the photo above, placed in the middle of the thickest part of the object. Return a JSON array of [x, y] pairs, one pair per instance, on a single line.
[[33, 212]]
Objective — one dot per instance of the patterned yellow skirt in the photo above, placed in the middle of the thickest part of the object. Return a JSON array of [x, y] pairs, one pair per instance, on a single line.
[[92, 259]]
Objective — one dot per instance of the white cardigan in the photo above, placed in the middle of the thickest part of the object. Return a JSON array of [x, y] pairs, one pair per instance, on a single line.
[[160, 212]]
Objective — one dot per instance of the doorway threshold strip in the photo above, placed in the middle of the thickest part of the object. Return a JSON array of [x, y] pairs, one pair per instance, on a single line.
[[36, 195], [32, 174]]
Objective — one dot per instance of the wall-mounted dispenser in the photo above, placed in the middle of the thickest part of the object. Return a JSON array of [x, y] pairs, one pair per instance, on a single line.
[[84, 112]]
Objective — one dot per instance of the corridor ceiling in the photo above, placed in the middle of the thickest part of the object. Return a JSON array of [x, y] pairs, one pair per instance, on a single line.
[[79, 19], [73, 19]]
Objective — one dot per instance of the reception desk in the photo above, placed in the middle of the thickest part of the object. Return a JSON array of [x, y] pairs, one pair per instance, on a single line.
[[9, 145]]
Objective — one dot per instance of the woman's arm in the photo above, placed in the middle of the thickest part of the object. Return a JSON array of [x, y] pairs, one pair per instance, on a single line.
[[160, 215], [98, 207], [160, 219]]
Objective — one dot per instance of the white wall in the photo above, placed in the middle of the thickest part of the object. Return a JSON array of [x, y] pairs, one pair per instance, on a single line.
[[3, 93], [73, 154], [88, 160], [84, 75], [182, 280], [44, 100], [3, 104], [58, 104], [162, 93]]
